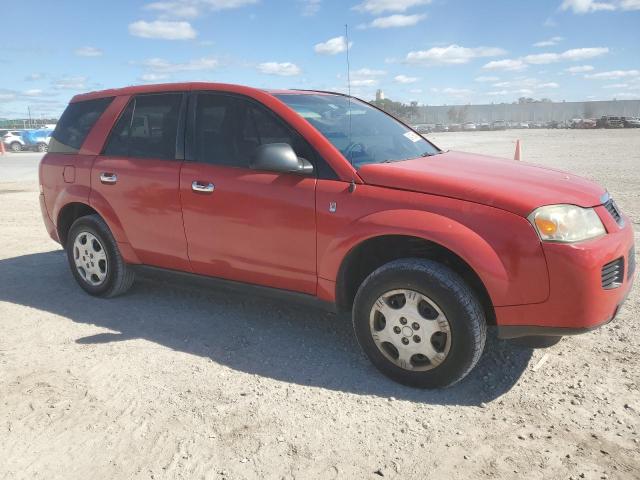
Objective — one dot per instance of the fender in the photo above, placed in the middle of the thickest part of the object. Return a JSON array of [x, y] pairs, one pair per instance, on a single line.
[[73, 193], [501, 280], [106, 211]]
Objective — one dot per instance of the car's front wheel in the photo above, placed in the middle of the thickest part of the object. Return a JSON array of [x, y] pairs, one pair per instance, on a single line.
[[95, 260], [15, 147], [419, 323]]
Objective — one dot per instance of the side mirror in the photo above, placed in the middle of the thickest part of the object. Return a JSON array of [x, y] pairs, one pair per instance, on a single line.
[[279, 157]]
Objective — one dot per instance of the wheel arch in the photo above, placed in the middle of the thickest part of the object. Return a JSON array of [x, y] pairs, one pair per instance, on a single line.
[[385, 236], [375, 251], [69, 214]]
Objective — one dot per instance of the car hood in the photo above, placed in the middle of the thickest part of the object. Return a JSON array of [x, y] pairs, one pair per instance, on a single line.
[[507, 184]]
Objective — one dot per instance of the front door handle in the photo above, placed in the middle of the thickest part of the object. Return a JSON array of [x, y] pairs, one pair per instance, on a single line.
[[109, 178], [202, 187]]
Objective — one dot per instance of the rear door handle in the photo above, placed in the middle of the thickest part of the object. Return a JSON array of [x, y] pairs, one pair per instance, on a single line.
[[202, 187], [109, 178]]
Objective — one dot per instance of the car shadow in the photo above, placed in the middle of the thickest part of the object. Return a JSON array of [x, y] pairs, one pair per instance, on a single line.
[[286, 342]]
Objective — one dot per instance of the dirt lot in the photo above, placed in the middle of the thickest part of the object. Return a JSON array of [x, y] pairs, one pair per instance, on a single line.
[[177, 382]]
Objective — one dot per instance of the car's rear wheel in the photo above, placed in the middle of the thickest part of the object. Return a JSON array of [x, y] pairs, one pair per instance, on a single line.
[[95, 260], [15, 147], [419, 323], [42, 147]]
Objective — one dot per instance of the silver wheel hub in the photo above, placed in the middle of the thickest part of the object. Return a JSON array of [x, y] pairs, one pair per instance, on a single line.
[[410, 330], [90, 258]]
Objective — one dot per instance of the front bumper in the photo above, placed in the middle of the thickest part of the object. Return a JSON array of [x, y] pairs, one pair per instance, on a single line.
[[577, 301]]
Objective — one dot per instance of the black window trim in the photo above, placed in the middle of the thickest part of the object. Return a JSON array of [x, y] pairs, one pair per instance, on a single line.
[[180, 131], [322, 172]]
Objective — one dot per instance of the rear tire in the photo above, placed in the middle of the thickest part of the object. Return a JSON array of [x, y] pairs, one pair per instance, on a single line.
[[94, 258], [446, 319]]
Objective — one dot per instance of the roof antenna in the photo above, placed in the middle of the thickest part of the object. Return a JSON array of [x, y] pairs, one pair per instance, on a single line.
[[346, 36]]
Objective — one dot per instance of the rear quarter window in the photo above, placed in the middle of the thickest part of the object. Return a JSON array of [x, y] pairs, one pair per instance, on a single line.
[[75, 124]]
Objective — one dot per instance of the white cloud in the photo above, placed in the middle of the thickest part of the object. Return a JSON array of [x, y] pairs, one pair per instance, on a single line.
[[573, 55], [364, 82], [153, 77], [285, 69], [33, 92], [630, 5], [506, 64], [88, 52], [310, 7], [548, 43], [457, 92], [7, 95], [486, 79], [614, 74], [159, 65], [70, 83], [627, 95], [395, 21], [165, 30], [34, 76], [579, 69], [452, 54], [616, 85], [405, 79], [549, 85], [379, 6], [586, 6], [368, 72], [333, 46], [193, 8]]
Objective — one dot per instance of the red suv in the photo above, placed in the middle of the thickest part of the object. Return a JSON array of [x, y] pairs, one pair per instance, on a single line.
[[322, 197]]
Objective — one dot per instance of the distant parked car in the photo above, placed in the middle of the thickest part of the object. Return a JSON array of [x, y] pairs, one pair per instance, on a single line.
[[439, 127], [499, 125], [13, 140], [422, 128], [523, 125], [588, 123], [608, 121], [468, 126], [37, 140], [484, 126], [631, 122], [455, 127]]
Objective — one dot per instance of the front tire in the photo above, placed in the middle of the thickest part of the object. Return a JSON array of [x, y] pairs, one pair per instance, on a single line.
[[15, 147], [419, 323], [94, 258]]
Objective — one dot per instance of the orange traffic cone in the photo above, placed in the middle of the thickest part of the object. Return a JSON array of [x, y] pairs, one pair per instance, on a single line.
[[2, 151], [518, 154]]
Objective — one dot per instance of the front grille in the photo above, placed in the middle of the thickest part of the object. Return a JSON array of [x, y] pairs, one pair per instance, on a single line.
[[613, 210], [613, 274], [631, 263]]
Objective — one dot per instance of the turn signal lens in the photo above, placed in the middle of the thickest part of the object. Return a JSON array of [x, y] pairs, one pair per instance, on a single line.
[[566, 223], [546, 226]]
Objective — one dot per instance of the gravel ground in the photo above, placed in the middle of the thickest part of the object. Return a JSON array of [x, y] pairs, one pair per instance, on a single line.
[[172, 381]]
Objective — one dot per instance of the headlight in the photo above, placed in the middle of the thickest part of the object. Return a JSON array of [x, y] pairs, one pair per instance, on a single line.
[[566, 223]]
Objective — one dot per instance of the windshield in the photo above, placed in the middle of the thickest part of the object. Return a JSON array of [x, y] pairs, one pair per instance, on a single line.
[[366, 136]]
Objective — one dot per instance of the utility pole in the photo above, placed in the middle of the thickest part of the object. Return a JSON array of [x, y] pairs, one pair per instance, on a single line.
[[29, 110]]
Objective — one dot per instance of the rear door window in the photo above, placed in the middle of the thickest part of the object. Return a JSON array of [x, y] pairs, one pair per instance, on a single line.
[[147, 128], [75, 124]]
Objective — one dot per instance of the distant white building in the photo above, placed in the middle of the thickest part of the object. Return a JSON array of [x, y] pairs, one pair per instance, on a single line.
[[379, 95]]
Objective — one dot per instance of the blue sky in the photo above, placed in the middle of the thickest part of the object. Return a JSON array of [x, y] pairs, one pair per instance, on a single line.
[[431, 51]]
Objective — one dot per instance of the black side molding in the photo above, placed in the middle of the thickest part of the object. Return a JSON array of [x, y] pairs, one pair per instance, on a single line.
[[162, 274]]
